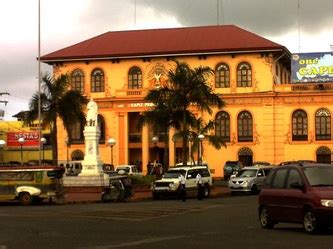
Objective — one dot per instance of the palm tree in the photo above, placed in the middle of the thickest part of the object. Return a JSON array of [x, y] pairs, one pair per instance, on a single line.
[[203, 128], [188, 87], [161, 117], [57, 101]]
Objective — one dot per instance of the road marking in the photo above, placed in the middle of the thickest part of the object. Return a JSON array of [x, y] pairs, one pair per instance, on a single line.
[[127, 213], [140, 242]]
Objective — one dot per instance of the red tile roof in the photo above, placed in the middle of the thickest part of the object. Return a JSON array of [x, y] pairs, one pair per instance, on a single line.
[[172, 41]]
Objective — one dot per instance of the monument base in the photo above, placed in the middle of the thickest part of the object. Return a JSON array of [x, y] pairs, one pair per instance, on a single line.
[[86, 181], [91, 169]]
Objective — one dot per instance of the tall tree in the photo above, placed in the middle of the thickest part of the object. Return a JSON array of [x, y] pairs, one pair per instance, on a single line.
[[161, 117], [57, 100], [205, 129], [189, 88], [186, 88]]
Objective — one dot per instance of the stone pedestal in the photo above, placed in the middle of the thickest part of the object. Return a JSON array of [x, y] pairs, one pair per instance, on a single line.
[[92, 165], [86, 181]]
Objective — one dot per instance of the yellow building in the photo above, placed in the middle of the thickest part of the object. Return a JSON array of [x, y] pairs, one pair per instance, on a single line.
[[266, 117], [13, 152]]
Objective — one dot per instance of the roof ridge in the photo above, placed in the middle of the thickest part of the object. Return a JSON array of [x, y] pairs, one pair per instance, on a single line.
[[171, 28], [161, 41]]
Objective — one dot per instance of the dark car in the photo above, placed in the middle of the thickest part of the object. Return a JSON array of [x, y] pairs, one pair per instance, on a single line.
[[298, 193], [231, 168]]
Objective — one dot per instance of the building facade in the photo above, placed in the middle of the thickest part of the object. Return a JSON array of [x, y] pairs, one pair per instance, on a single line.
[[266, 117], [13, 152]]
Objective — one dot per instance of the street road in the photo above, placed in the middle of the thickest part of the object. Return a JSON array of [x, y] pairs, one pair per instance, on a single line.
[[229, 222]]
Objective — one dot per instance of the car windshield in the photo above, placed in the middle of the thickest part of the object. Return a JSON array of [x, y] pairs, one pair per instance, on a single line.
[[319, 176], [231, 164], [173, 173], [126, 169], [247, 173]]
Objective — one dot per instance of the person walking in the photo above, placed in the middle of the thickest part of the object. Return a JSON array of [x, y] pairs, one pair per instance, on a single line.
[[182, 187], [199, 183]]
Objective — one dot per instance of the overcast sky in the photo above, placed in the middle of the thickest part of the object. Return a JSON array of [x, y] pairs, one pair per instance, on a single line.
[[307, 28]]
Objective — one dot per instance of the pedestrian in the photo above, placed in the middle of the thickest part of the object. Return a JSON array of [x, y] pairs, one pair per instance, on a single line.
[[182, 187], [199, 183]]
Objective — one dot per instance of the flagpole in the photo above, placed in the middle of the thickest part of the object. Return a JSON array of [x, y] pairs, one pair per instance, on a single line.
[[39, 89]]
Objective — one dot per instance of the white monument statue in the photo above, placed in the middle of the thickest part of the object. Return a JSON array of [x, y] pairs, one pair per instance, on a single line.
[[92, 163]]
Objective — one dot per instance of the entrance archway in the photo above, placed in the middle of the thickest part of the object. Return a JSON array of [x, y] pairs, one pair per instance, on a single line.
[[245, 155], [77, 155], [323, 155]]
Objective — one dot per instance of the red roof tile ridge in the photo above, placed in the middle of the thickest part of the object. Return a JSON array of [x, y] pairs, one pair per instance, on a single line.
[[173, 28], [148, 42]]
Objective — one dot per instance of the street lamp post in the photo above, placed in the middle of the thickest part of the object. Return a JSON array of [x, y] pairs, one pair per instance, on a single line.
[[200, 137], [21, 140], [174, 140], [155, 140], [111, 142], [43, 142], [2, 145], [67, 152], [190, 140]]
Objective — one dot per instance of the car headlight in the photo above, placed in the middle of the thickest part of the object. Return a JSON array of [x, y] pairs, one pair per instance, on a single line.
[[246, 182], [171, 185], [327, 203]]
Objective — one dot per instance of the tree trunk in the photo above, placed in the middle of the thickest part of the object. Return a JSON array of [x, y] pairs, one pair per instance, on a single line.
[[185, 137], [54, 142], [166, 151]]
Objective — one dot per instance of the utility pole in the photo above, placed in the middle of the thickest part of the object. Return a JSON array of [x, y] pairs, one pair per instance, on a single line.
[[4, 101], [2, 112]]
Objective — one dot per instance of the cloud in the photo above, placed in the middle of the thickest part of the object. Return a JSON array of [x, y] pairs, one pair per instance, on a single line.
[[268, 17]]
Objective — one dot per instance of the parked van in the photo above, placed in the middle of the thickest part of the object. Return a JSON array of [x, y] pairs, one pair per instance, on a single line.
[[231, 168], [298, 193], [128, 170]]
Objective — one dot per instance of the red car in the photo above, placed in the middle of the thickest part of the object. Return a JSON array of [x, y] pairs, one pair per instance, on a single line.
[[298, 193]]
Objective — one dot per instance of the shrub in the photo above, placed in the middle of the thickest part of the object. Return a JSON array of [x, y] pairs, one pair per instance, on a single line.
[[142, 180]]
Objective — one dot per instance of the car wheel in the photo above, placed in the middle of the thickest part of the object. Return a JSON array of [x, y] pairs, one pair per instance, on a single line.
[[25, 198], [254, 190], [264, 219], [206, 191], [310, 223]]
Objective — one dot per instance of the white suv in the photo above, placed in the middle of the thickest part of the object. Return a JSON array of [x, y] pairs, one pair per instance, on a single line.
[[169, 183], [128, 170]]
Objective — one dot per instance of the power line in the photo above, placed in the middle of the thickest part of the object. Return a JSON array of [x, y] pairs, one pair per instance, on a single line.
[[299, 24]]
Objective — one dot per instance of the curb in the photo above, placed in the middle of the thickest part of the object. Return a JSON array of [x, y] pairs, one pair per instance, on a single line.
[[144, 194]]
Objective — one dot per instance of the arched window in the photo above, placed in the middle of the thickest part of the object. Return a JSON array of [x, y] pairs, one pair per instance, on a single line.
[[134, 78], [323, 154], [101, 125], [222, 126], [222, 76], [77, 155], [245, 127], [323, 124], [76, 133], [244, 75], [300, 126], [97, 81], [77, 80], [245, 155]]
